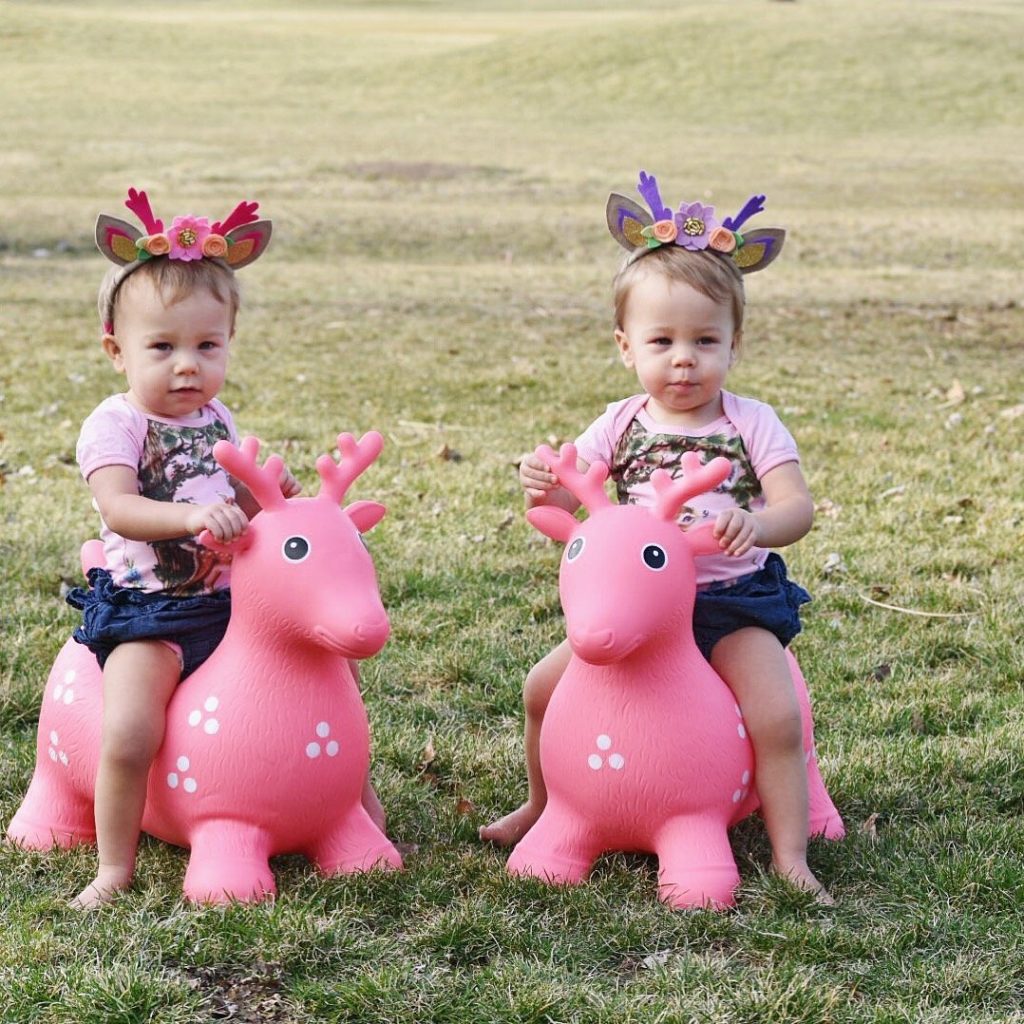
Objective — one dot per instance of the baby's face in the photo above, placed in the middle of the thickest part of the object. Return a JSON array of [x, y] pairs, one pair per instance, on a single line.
[[681, 343], [175, 357]]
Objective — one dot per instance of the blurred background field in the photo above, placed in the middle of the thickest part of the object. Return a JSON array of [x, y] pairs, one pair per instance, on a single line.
[[440, 269]]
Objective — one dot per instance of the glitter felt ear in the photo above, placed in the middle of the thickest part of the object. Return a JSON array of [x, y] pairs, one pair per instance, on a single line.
[[693, 226]]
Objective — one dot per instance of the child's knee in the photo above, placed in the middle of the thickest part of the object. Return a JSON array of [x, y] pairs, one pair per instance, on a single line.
[[779, 728], [130, 745], [540, 684]]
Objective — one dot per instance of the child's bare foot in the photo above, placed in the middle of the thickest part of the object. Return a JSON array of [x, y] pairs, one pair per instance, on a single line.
[[509, 830], [372, 805], [103, 888], [803, 878]]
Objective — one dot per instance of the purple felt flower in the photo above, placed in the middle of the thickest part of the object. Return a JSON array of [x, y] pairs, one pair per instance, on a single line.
[[695, 222]]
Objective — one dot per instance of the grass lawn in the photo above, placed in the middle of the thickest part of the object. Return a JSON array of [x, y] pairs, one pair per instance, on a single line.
[[436, 173]]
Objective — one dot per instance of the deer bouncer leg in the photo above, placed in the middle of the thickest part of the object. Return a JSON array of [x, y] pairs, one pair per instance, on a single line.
[[229, 861], [355, 844], [560, 848], [696, 867]]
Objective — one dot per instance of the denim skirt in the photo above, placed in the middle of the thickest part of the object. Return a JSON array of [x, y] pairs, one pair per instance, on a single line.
[[113, 615], [767, 598]]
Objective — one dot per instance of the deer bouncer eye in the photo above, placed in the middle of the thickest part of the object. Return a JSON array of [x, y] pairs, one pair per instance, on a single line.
[[296, 549], [655, 557], [574, 550]]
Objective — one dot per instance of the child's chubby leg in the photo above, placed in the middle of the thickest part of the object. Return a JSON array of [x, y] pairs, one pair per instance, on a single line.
[[138, 680], [537, 690], [753, 664], [369, 799]]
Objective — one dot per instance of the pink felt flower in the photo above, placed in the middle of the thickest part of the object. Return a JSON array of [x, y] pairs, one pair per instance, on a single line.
[[215, 246], [722, 240], [695, 222], [187, 235]]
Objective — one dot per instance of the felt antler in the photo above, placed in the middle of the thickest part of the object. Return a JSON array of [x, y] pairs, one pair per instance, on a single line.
[[647, 186], [671, 494], [755, 204], [587, 488], [264, 482], [244, 213], [138, 203], [336, 477]]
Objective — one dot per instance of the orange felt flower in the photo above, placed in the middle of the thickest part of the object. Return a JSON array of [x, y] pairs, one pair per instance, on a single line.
[[215, 246], [722, 240], [665, 231], [156, 245]]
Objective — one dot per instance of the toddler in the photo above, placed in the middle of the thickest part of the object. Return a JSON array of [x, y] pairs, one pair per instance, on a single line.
[[679, 304], [161, 604]]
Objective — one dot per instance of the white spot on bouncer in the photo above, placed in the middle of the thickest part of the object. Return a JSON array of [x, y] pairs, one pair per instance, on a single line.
[[189, 785], [69, 695], [736, 796], [63, 758], [746, 778], [172, 780], [69, 676], [603, 742], [741, 732], [183, 763], [616, 761], [53, 754], [739, 714], [312, 750], [211, 726], [58, 691], [54, 738], [211, 704], [595, 761], [195, 717], [323, 730], [332, 748]]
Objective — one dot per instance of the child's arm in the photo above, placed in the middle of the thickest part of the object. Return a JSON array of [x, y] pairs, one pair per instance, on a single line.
[[786, 517], [128, 513], [542, 487]]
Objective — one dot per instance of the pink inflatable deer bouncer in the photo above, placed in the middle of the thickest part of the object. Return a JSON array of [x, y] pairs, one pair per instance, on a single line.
[[643, 746], [267, 744]]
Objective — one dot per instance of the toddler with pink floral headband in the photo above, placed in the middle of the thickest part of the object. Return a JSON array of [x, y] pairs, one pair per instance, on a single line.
[[159, 605], [679, 304]]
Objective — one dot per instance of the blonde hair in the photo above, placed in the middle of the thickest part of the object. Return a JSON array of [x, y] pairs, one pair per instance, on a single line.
[[712, 275], [173, 280]]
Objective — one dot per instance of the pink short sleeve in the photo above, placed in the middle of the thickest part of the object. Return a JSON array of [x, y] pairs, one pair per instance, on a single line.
[[597, 443], [768, 442], [112, 435]]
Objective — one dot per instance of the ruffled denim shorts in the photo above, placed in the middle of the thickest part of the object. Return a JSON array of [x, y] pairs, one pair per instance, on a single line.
[[767, 598], [113, 615]]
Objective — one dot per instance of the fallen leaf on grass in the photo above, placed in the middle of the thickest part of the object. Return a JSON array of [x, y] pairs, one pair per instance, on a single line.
[[447, 454], [464, 807], [881, 672], [833, 563], [869, 827]]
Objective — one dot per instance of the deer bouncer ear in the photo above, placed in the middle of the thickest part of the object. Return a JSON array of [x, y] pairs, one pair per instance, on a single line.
[[552, 521], [365, 514]]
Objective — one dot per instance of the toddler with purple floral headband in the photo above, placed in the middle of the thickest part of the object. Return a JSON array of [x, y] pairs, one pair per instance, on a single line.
[[679, 305]]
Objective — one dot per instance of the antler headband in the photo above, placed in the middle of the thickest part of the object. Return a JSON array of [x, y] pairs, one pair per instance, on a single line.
[[693, 226], [235, 242]]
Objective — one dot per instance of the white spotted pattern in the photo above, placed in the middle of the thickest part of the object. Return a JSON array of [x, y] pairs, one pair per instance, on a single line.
[[188, 784], [56, 754], [212, 725], [615, 760], [331, 748]]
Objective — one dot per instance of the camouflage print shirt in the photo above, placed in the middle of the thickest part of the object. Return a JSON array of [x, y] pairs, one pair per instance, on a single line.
[[174, 461], [633, 446]]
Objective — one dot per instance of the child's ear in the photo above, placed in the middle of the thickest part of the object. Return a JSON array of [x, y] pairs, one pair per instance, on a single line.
[[625, 349], [737, 349], [113, 351]]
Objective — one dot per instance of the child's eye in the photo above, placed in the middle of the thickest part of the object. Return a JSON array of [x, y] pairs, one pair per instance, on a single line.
[[707, 340], [208, 345], [661, 341], [161, 346]]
